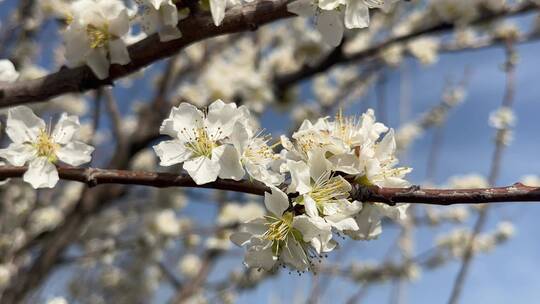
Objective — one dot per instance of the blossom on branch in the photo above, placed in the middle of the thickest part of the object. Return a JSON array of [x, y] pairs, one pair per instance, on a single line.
[[160, 16], [34, 144], [95, 35]]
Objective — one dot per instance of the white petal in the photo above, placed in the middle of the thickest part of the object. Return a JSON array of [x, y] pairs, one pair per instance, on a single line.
[[276, 202], [329, 4], [41, 173], [75, 153], [203, 170], [231, 167], [260, 255], [65, 128], [217, 7], [240, 238], [294, 255], [330, 25], [300, 179], [369, 223], [356, 15], [7, 71], [169, 33], [77, 44], [223, 116], [240, 137], [171, 152], [386, 148], [318, 164], [311, 206], [185, 116], [119, 26], [98, 63], [23, 125], [18, 154], [169, 15], [118, 52], [304, 8], [315, 231]]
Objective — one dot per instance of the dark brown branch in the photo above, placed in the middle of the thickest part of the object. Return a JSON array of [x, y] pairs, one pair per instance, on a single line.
[[145, 52], [94, 176]]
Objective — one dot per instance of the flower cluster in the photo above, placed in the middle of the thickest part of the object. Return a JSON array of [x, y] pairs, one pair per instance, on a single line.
[[324, 163], [332, 15], [98, 31]]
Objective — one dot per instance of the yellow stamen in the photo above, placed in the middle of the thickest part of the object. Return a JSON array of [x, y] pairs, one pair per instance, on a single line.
[[328, 188], [99, 36], [45, 146]]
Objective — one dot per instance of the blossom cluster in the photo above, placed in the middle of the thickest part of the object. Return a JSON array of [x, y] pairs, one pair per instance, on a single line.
[[333, 16], [324, 163], [312, 180], [99, 31]]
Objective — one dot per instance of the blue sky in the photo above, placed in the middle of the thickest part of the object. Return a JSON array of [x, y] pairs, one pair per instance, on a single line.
[[508, 274]]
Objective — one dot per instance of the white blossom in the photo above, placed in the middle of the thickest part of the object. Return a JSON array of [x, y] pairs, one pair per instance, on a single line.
[[199, 140], [34, 144], [165, 223], [425, 49], [282, 236], [160, 16], [190, 265], [7, 71], [57, 300], [502, 118], [95, 34]]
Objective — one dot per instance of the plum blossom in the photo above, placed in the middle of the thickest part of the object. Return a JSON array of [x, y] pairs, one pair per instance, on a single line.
[[350, 146], [252, 152], [199, 140], [282, 237], [160, 16], [95, 35], [34, 144], [333, 16], [7, 71]]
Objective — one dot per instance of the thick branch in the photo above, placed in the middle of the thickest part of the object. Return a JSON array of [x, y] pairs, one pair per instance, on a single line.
[[94, 176], [145, 52]]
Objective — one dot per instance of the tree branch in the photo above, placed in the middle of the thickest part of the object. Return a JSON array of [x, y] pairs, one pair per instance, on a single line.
[[95, 176], [285, 81], [143, 53]]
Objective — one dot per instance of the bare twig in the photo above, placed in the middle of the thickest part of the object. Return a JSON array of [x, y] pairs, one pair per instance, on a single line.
[[508, 100]]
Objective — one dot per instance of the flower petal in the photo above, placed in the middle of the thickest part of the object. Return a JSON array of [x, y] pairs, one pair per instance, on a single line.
[[118, 52], [18, 154], [23, 125], [311, 206], [184, 117], [330, 26], [75, 153], [41, 173], [171, 152], [98, 63], [276, 202], [65, 128], [217, 7], [293, 254], [230, 164], [300, 179], [356, 15], [202, 169]]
